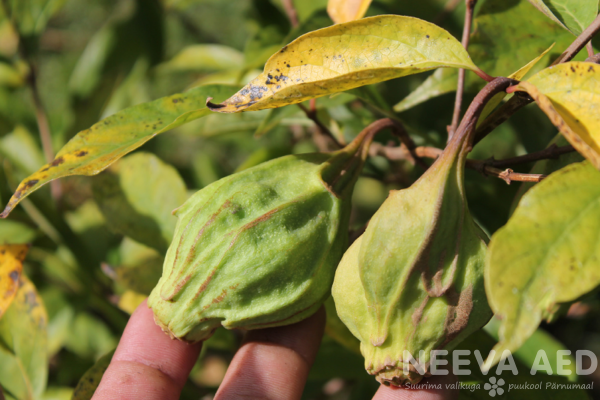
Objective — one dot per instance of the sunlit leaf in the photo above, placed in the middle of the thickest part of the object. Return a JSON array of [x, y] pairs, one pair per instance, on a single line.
[[23, 337], [573, 15], [342, 11], [11, 265], [137, 207], [547, 254], [569, 94], [94, 149], [346, 56], [91, 379], [498, 26]]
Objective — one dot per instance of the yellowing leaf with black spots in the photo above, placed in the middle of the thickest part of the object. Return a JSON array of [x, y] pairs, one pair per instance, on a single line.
[[346, 56], [569, 94], [94, 149], [547, 254], [11, 265], [23, 344], [342, 11]]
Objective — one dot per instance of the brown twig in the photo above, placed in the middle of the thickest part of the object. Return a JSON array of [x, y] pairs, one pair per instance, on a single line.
[[507, 175], [489, 167], [448, 8], [551, 152], [460, 87], [594, 58], [590, 49], [290, 10], [312, 115], [399, 131], [578, 43]]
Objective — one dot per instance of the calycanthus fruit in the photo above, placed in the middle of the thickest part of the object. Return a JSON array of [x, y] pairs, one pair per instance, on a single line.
[[413, 282], [258, 248]]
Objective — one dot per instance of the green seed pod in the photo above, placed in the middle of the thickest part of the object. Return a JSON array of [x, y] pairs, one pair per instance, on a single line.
[[258, 248], [413, 282]]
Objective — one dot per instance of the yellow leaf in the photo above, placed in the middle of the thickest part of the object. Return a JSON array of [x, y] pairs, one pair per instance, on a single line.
[[342, 11], [569, 94], [94, 149], [346, 56], [11, 265]]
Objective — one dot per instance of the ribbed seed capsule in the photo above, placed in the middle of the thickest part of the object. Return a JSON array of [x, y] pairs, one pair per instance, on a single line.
[[258, 248], [413, 282]]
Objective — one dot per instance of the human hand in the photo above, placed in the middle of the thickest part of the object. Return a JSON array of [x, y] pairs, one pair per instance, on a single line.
[[272, 363]]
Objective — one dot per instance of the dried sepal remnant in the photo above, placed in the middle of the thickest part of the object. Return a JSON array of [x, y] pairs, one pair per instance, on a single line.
[[258, 248], [414, 281], [346, 56]]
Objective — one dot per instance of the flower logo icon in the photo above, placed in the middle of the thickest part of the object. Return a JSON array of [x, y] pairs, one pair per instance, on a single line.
[[494, 386]]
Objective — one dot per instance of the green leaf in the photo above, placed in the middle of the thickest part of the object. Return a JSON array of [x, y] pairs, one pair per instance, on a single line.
[[498, 25], [16, 233], [573, 15], [89, 337], [346, 56], [22, 150], [204, 57], [569, 93], [547, 254], [141, 207], [89, 382], [23, 353], [31, 16], [140, 268], [11, 265], [93, 150]]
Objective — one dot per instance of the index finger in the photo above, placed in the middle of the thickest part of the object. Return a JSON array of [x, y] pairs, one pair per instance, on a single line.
[[147, 363]]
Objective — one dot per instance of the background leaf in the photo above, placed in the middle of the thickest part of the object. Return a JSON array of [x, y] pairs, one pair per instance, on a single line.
[[548, 253], [94, 149], [497, 26], [346, 56], [574, 15], [23, 354], [141, 208]]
